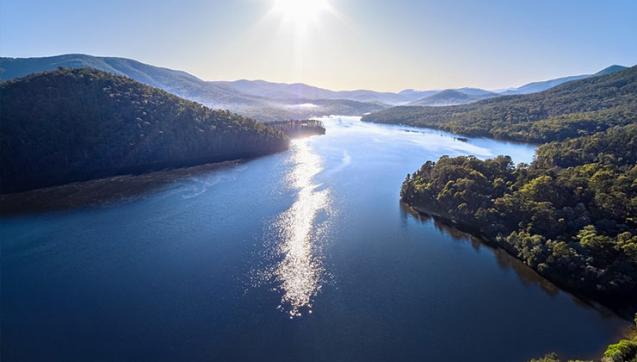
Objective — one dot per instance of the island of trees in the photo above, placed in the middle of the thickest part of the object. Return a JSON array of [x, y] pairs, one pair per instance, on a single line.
[[80, 124], [299, 128]]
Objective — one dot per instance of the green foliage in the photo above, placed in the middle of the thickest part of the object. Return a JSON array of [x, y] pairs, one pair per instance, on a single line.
[[571, 214], [73, 125], [296, 128], [574, 109], [550, 357], [623, 351]]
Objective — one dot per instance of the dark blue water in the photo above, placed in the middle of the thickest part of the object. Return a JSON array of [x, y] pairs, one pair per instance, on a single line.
[[305, 255]]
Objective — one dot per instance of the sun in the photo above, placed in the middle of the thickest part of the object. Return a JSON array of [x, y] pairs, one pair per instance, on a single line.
[[300, 11]]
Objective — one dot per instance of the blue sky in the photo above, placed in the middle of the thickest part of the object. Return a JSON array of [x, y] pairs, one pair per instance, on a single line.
[[373, 44]]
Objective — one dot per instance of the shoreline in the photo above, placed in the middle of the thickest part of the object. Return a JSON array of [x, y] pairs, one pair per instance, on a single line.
[[105, 190], [625, 311], [466, 135], [99, 192]]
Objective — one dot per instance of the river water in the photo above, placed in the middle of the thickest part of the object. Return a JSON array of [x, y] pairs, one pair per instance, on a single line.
[[305, 255]]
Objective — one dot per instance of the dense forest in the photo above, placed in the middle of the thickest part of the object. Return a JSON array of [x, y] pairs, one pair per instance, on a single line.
[[573, 109], [73, 125], [571, 214], [299, 128]]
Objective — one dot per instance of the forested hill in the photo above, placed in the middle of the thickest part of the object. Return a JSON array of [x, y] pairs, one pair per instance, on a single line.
[[72, 125], [571, 214], [573, 109]]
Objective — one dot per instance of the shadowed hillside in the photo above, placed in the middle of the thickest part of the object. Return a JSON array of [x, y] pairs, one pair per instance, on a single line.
[[72, 125]]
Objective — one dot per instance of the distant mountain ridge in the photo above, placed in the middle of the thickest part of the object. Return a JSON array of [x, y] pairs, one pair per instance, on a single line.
[[415, 95], [611, 69], [174, 81], [263, 100], [540, 86], [300, 91], [224, 95], [450, 97], [212, 93]]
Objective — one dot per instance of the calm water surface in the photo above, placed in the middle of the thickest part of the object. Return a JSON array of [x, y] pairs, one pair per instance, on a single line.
[[305, 255]]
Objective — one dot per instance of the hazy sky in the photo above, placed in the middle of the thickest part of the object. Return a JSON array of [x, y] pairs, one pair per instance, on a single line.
[[373, 44]]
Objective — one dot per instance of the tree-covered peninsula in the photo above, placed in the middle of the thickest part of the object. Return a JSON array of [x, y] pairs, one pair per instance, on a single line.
[[571, 214], [80, 124]]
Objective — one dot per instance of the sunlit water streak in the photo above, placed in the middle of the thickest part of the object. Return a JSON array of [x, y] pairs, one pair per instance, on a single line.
[[299, 273]]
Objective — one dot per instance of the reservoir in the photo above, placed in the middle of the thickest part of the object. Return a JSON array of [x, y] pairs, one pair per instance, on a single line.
[[305, 255]]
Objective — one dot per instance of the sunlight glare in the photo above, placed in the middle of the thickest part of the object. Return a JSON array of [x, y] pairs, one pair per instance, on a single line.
[[300, 271], [300, 12]]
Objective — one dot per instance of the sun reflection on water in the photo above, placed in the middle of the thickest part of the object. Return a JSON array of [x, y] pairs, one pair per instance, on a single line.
[[300, 271]]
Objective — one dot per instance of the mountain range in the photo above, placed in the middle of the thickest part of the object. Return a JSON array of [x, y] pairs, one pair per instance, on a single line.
[[263, 100], [540, 86], [272, 105], [450, 97]]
